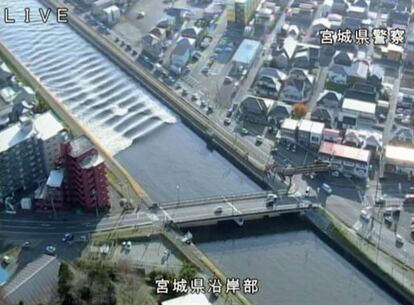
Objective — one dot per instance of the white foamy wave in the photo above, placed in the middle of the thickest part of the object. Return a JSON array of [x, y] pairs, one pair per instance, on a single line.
[[109, 102]]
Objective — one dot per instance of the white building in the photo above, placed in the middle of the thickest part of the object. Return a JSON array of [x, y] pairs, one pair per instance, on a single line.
[[305, 132], [399, 160], [355, 113], [189, 299], [112, 14]]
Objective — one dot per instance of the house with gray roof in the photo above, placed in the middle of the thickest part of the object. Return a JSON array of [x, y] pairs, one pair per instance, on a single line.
[[182, 54], [330, 99], [298, 86], [34, 284], [152, 46], [282, 56], [324, 115], [254, 109]]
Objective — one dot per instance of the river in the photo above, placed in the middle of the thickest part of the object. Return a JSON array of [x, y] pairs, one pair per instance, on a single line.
[[292, 264]]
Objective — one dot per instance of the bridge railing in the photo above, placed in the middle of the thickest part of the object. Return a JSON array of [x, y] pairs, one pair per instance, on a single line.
[[197, 201]]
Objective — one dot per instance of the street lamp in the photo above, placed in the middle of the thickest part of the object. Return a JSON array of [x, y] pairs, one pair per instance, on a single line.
[[178, 194]]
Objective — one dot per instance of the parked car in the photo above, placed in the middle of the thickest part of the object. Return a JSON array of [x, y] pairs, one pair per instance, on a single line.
[[399, 240], [141, 14], [293, 148], [244, 132], [259, 139], [227, 121], [327, 188]]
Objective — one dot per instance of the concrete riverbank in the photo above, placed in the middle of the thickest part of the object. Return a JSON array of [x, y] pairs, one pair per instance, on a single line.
[[389, 273]]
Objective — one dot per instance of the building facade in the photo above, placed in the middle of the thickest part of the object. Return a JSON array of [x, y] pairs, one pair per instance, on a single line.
[[28, 150], [86, 181]]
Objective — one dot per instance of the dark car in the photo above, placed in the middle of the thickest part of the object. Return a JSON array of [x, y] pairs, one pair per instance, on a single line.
[[67, 237]]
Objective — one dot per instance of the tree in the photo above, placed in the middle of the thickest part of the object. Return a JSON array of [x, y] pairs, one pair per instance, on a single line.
[[188, 272], [299, 111], [64, 282]]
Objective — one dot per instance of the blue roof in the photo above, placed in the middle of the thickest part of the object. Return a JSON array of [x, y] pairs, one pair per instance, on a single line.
[[247, 51]]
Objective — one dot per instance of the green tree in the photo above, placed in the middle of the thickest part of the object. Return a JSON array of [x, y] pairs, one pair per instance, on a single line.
[[188, 272], [64, 283]]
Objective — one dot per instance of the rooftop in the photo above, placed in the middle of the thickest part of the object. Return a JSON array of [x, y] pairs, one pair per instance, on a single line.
[[79, 146], [359, 106], [55, 178], [189, 299], [35, 283], [346, 152], [398, 153], [247, 51]]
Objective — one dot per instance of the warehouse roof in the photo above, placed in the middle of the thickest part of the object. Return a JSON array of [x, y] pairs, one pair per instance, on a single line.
[[359, 106], [247, 51]]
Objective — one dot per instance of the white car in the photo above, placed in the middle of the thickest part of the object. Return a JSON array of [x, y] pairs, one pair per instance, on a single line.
[[327, 188], [227, 121], [259, 140], [335, 174], [228, 80], [51, 250], [271, 199], [244, 132], [307, 192], [399, 240], [365, 215]]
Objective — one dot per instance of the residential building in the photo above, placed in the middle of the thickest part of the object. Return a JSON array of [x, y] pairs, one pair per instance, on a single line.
[[332, 135], [304, 132], [255, 109], [85, 174], [269, 82], [193, 32], [160, 33], [323, 115], [298, 86], [282, 55], [399, 160], [362, 91], [392, 52], [343, 75], [182, 54], [28, 150], [355, 113], [330, 99], [318, 25], [152, 46], [346, 159], [240, 12], [370, 140], [279, 112], [343, 58]]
